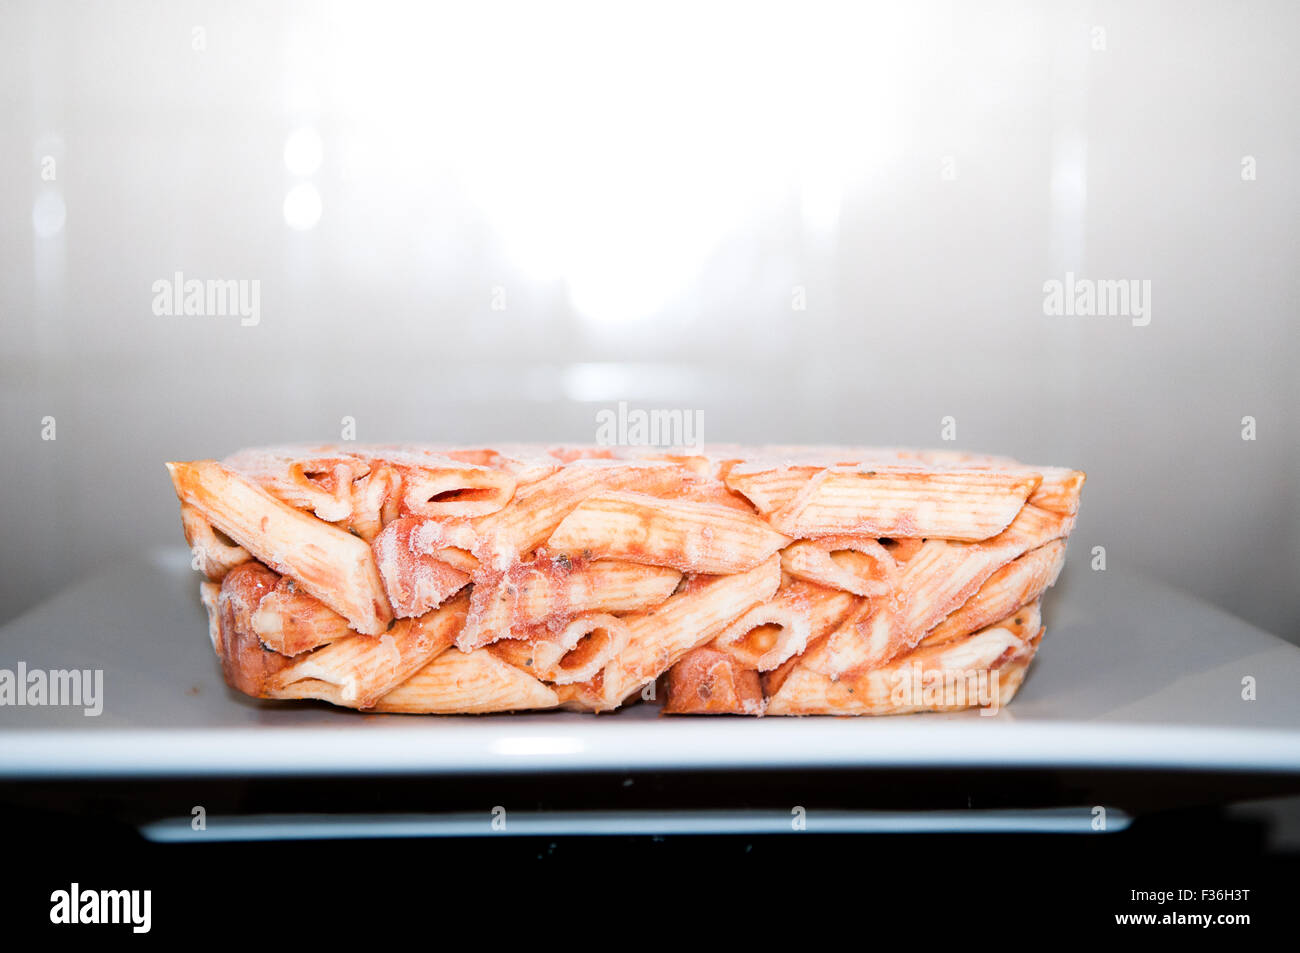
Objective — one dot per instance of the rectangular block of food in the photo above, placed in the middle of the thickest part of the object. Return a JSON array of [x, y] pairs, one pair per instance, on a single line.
[[771, 580]]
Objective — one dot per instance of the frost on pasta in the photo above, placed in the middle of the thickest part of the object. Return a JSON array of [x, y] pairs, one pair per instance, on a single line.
[[748, 581]]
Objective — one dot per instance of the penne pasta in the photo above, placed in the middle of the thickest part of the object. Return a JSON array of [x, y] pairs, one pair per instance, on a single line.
[[309, 478], [936, 580], [709, 682], [359, 670], [1018, 583], [549, 589], [659, 637], [783, 580], [365, 487], [461, 559], [765, 636], [332, 565], [289, 621], [468, 683], [805, 613], [827, 609], [246, 664], [686, 535], [572, 654], [418, 579], [242, 591], [896, 502], [902, 549], [375, 501], [454, 491], [1060, 490], [960, 674], [538, 508], [216, 555], [771, 489], [860, 566]]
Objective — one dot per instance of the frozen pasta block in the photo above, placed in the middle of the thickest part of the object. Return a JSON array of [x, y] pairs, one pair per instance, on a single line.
[[728, 580]]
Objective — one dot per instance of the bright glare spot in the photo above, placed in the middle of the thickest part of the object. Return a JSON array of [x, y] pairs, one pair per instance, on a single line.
[[302, 207], [617, 158], [48, 214], [302, 151]]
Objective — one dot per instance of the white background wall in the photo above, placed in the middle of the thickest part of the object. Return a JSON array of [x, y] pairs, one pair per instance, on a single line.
[[649, 191]]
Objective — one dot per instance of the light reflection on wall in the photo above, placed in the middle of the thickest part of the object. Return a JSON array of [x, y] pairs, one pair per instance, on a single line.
[[609, 154]]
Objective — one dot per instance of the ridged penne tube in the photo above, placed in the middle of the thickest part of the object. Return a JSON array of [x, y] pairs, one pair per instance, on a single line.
[[960, 674], [216, 556], [715, 493], [1060, 490], [826, 610], [468, 683], [693, 537], [1019, 582], [359, 670], [897, 502], [551, 588], [320, 483], [936, 580], [417, 579], [1032, 527], [461, 559], [860, 566], [291, 622], [455, 491], [329, 563], [772, 488], [376, 500], [366, 487], [709, 682], [659, 637], [765, 636], [538, 508], [575, 653]]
